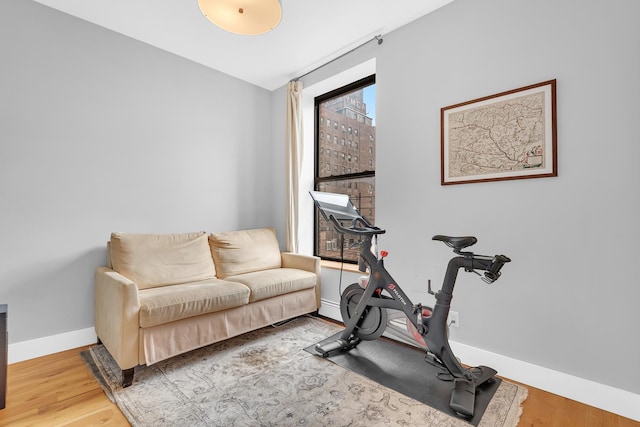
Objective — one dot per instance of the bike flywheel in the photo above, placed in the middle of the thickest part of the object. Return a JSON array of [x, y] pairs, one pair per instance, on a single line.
[[373, 320]]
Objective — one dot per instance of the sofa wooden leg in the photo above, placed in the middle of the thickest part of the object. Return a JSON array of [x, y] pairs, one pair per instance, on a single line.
[[127, 377]]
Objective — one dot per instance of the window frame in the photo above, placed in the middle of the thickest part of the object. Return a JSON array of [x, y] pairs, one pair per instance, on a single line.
[[317, 180]]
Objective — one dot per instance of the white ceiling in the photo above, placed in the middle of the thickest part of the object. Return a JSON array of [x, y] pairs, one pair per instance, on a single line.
[[311, 32]]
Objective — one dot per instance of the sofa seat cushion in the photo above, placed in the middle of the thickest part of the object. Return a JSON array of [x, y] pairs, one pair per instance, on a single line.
[[277, 281], [151, 260], [245, 251], [168, 303]]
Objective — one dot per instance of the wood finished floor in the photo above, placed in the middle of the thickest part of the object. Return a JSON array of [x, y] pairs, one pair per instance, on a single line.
[[59, 390]]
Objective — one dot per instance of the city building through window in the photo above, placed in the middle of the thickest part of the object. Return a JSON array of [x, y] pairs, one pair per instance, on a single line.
[[351, 170]]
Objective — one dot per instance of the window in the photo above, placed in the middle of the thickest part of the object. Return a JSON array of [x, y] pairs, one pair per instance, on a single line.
[[352, 173]]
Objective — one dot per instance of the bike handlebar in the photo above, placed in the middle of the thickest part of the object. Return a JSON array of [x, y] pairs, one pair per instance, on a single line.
[[358, 226], [492, 273]]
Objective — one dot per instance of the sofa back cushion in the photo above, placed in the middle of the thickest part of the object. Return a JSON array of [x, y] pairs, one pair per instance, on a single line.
[[152, 260], [245, 251]]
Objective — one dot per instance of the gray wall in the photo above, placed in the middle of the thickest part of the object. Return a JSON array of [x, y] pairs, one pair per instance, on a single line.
[[101, 133], [568, 301]]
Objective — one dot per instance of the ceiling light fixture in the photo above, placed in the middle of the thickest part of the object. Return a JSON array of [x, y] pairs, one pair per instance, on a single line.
[[248, 17]]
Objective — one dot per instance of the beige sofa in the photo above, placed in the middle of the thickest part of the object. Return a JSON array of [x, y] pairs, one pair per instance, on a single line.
[[165, 294]]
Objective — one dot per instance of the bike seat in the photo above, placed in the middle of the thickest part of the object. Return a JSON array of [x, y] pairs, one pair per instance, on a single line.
[[456, 243]]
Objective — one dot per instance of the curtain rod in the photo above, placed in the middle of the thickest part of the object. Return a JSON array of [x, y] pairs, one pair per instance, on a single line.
[[378, 37]]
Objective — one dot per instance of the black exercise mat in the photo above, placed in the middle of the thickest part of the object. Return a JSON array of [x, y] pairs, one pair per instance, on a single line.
[[404, 370]]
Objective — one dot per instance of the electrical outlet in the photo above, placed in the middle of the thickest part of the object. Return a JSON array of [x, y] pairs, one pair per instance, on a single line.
[[453, 319]]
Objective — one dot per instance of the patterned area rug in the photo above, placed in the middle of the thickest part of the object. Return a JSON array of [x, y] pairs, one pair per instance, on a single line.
[[265, 378]]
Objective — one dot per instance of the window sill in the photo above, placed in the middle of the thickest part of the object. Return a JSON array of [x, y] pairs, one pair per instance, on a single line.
[[335, 265]]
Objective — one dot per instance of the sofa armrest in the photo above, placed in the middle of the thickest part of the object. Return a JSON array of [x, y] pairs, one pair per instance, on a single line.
[[116, 308], [304, 262], [301, 262]]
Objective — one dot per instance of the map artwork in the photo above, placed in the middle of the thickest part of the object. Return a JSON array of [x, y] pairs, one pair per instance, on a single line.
[[505, 136], [501, 137]]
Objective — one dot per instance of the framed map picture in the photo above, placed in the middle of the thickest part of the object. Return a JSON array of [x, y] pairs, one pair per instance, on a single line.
[[510, 135]]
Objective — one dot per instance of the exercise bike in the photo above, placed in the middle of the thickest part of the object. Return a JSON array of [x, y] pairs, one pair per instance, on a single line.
[[364, 308]]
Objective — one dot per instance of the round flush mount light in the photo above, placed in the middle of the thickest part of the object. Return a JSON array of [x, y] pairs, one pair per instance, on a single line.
[[248, 17]]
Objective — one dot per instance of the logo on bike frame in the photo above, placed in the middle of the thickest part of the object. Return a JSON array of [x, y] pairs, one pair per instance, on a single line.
[[393, 289]]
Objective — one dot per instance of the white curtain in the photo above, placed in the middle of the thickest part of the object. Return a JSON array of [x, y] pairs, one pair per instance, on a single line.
[[294, 161]]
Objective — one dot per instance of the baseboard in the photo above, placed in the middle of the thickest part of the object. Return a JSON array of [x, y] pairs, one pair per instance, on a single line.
[[602, 396], [31, 349], [330, 309]]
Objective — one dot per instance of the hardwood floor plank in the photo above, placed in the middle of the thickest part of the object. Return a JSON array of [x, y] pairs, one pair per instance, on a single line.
[[547, 409], [57, 390]]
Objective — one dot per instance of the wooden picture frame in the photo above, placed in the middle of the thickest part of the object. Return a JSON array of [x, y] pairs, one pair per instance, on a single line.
[[509, 135]]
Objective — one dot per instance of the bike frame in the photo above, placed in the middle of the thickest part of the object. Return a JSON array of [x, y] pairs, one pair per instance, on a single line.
[[433, 328]]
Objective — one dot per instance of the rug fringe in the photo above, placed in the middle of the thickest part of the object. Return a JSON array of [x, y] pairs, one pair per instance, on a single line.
[[514, 418], [91, 360]]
